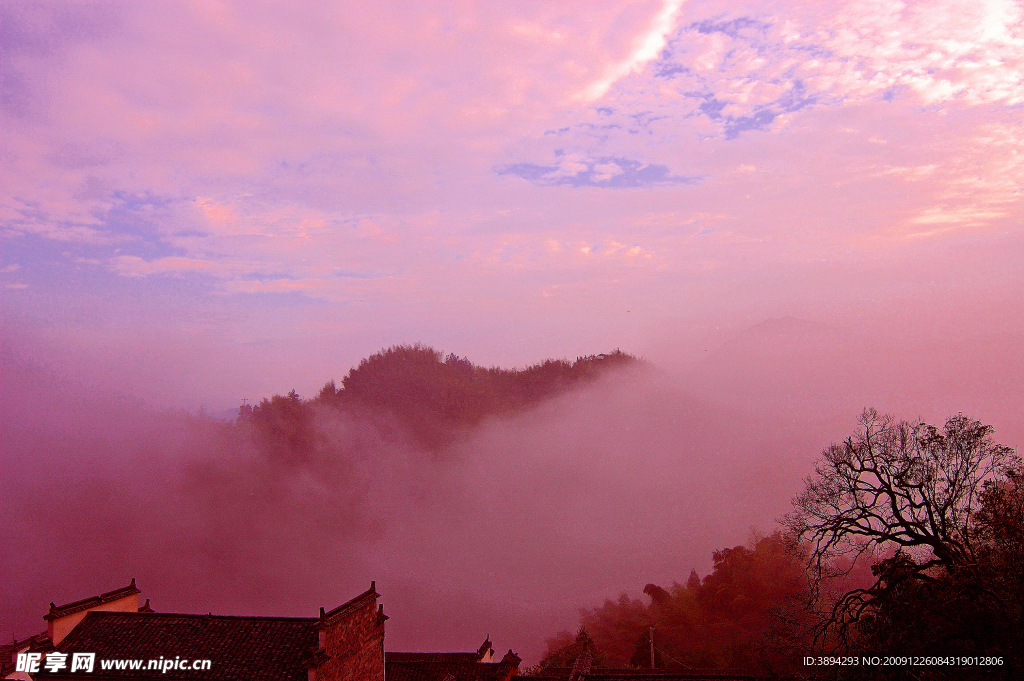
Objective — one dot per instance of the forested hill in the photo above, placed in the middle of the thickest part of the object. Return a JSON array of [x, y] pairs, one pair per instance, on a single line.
[[433, 397]]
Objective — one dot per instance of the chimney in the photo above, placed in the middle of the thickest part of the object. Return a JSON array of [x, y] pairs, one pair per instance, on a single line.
[[485, 653], [510, 666]]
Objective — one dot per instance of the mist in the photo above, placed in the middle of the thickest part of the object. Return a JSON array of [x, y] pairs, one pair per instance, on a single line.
[[508, 532]]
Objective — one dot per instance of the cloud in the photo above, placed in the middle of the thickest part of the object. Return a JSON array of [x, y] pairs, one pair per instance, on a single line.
[[647, 46], [965, 215], [277, 285], [436, 163], [134, 266], [745, 64], [912, 174], [977, 187], [949, 50], [611, 172]]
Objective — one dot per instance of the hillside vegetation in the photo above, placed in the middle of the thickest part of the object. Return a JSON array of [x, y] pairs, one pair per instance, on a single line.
[[433, 398], [718, 622], [908, 539]]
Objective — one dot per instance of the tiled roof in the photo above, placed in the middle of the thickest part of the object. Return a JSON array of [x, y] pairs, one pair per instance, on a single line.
[[86, 603], [449, 666], [441, 671], [438, 658], [38, 643], [485, 649], [352, 605], [241, 648]]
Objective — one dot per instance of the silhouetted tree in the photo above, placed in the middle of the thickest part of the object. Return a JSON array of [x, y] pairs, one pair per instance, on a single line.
[[564, 650], [642, 655], [658, 595], [284, 427], [937, 513]]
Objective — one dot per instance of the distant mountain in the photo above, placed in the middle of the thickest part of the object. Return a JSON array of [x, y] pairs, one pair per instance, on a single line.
[[794, 368], [435, 398]]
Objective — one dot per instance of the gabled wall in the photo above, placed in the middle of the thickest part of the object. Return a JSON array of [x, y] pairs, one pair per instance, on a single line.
[[59, 627], [352, 641]]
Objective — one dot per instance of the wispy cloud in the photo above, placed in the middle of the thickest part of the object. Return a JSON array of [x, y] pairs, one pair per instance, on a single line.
[[134, 266], [647, 46], [577, 171]]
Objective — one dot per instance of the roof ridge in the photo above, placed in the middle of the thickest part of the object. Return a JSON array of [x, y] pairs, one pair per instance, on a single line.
[[468, 663], [192, 615], [57, 612], [429, 652], [356, 602]]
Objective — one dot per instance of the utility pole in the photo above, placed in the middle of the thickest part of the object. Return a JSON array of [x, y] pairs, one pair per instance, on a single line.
[[652, 647]]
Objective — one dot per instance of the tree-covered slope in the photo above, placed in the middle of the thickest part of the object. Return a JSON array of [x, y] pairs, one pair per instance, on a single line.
[[433, 397]]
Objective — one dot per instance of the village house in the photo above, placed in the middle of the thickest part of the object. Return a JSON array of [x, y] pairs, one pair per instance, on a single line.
[[126, 641], [469, 666], [111, 636]]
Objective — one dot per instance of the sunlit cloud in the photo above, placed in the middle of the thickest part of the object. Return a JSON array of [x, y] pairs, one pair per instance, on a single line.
[[967, 215], [485, 154], [942, 51], [913, 174], [646, 48]]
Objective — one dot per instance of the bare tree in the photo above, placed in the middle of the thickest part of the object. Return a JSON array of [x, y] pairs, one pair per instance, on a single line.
[[903, 495]]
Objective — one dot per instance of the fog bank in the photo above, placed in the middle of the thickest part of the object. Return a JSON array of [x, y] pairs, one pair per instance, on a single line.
[[635, 479]]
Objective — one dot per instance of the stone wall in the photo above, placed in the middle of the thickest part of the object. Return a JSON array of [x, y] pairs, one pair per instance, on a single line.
[[352, 641]]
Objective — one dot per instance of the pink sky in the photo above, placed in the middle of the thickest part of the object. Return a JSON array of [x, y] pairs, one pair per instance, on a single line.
[[207, 201], [505, 180]]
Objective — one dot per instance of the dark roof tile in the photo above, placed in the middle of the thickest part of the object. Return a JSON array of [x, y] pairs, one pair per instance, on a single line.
[[31, 644], [435, 671], [240, 648], [438, 658]]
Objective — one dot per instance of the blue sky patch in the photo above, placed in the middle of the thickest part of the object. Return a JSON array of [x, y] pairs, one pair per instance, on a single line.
[[610, 172]]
